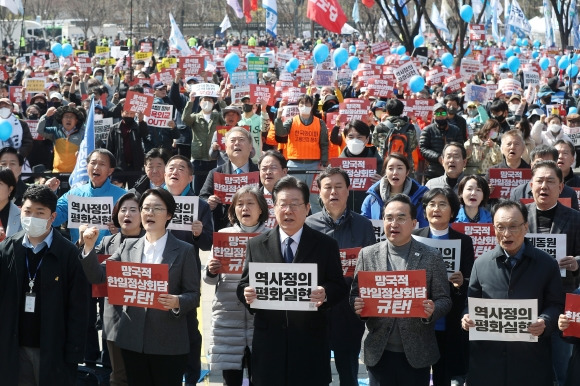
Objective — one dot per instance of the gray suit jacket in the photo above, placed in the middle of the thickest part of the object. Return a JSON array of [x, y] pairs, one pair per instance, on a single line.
[[566, 221], [14, 225], [418, 334], [153, 331]]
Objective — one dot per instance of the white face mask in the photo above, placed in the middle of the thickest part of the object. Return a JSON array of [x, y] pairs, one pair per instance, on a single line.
[[206, 106], [5, 112], [472, 112], [34, 226], [555, 129], [355, 146], [305, 110], [99, 78]]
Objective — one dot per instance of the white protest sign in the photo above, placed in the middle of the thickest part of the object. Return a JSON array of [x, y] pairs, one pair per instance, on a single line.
[[509, 86], [474, 93], [102, 127], [238, 93], [281, 286], [185, 212], [206, 89], [573, 133], [243, 78], [531, 78], [95, 211], [379, 227], [504, 320], [160, 115], [470, 67], [405, 72], [450, 250], [553, 244], [324, 77]]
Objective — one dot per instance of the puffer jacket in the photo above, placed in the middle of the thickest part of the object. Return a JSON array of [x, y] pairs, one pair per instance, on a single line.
[[232, 325], [431, 144], [202, 130]]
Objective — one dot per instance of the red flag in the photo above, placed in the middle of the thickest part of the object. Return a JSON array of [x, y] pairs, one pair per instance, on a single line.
[[247, 11], [327, 13], [254, 5], [368, 3]]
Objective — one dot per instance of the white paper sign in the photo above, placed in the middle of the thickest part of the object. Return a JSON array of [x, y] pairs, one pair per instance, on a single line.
[[206, 89], [504, 320], [95, 211], [450, 249], [553, 244], [186, 208], [405, 72], [281, 286]]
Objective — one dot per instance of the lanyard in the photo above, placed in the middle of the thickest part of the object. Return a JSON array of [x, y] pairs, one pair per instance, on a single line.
[[31, 279]]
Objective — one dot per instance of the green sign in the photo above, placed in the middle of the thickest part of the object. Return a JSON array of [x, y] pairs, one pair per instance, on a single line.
[[257, 64]]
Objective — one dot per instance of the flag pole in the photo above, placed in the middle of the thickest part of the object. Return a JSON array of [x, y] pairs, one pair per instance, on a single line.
[[20, 48]]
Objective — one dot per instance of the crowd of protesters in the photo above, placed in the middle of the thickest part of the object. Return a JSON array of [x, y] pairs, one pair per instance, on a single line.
[[432, 169]]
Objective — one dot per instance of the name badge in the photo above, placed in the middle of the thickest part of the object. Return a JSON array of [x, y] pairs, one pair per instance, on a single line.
[[29, 302]]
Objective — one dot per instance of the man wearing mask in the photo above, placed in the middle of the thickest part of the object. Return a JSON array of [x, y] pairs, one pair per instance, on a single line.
[[203, 125], [20, 136], [452, 102], [499, 111], [258, 123], [433, 139], [554, 131]]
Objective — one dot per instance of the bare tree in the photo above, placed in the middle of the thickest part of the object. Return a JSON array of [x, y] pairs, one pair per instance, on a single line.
[[399, 20], [564, 15]]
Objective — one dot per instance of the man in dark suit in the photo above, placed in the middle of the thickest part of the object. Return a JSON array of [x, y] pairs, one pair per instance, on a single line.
[[547, 215], [401, 350], [291, 347], [547, 153], [238, 147]]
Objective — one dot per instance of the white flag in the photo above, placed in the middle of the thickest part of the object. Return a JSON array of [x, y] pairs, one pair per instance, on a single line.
[[14, 6], [236, 7], [355, 12], [548, 24], [518, 19], [445, 11], [437, 21], [176, 39], [225, 24], [271, 16], [494, 20]]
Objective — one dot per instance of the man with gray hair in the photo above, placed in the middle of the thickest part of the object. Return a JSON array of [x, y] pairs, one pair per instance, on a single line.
[[238, 149]]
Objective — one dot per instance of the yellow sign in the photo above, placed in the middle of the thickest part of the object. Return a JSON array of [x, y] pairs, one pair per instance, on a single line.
[[102, 50], [108, 62], [35, 85], [143, 55], [81, 53]]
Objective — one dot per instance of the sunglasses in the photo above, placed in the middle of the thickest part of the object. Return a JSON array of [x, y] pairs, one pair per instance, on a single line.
[[440, 114]]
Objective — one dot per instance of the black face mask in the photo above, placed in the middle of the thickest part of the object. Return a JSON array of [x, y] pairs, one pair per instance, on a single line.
[[33, 117], [441, 123], [499, 118], [66, 94], [248, 108], [452, 110], [547, 100], [56, 104]]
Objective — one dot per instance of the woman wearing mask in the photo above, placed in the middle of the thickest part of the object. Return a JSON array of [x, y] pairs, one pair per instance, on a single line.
[[9, 212], [203, 125], [154, 342], [482, 149], [232, 325], [554, 132], [126, 217], [33, 113], [473, 194], [396, 168], [441, 206]]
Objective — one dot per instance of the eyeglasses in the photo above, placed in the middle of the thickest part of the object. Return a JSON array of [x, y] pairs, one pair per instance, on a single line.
[[129, 210], [293, 207], [154, 209], [440, 205], [440, 114], [513, 229], [400, 220]]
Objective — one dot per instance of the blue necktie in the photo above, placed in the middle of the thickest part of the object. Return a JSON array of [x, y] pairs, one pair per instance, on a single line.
[[239, 171], [288, 254]]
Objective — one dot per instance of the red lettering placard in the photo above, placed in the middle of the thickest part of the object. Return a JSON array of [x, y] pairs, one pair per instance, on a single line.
[[352, 108], [166, 76], [271, 222], [395, 294], [572, 311], [259, 93], [100, 290], [136, 284], [419, 108], [505, 180], [348, 258], [16, 94], [138, 103], [230, 250], [566, 201], [191, 65], [226, 185], [482, 235], [381, 88], [477, 32], [359, 170]]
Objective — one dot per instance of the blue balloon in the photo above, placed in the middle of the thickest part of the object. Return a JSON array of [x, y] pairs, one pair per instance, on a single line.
[[250, 55], [513, 64], [468, 51], [447, 59], [509, 52], [519, 42], [537, 43], [5, 130], [57, 49], [393, 50], [572, 110], [292, 65], [67, 50], [339, 57], [418, 41], [502, 39], [572, 70], [574, 58], [353, 62], [320, 53], [525, 42], [401, 50], [466, 13], [517, 50], [231, 62], [563, 62], [380, 59], [491, 58], [544, 63], [404, 57], [416, 83], [351, 49], [535, 54]]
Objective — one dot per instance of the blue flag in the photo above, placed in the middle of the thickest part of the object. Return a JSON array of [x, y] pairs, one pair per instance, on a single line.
[[271, 16], [80, 175]]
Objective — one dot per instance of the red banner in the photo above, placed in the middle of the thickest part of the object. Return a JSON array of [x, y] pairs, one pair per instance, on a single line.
[[258, 93], [191, 65], [477, 32], [572, 311], [419, 108], [327, 13], [359, 171], [136, 284], [482, 235], [138, 103], [230, 250], [353, 108], [396, 294], [16, 94], [566, 201], [226, 185], [505, 180], [348, 258]]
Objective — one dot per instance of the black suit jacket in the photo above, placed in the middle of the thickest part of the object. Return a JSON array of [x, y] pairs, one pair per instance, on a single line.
[[288, 344], [525, 191], [220, 213]]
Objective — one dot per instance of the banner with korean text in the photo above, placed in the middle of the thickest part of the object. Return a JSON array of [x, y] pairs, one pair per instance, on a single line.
[[95, 211], [502, 319], [136, 284], [230, 250]]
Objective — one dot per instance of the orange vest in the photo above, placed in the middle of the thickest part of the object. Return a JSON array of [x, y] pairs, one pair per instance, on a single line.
[[304, 141], [271, 140], [65, 157]]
